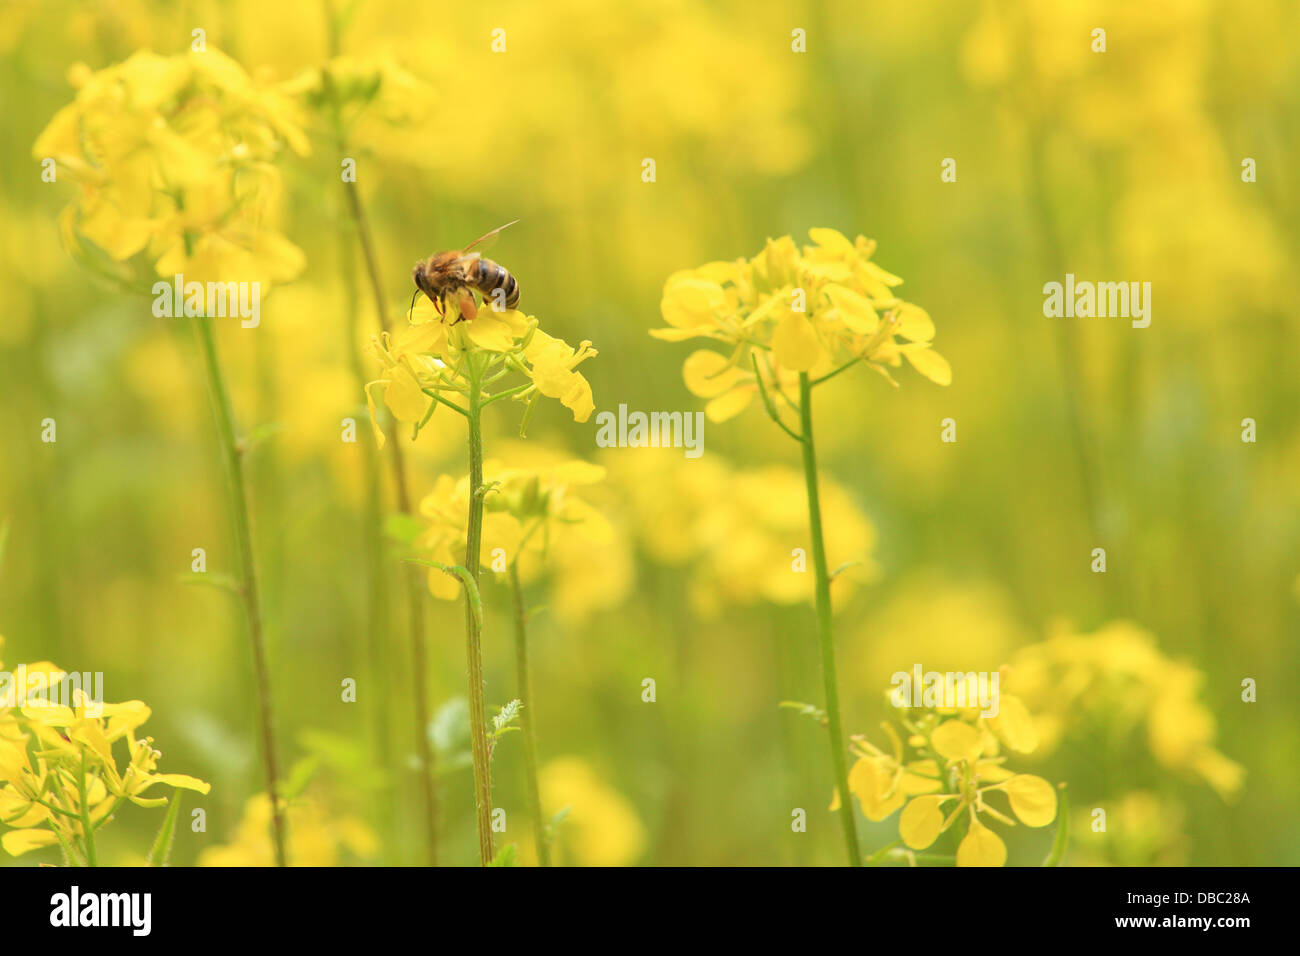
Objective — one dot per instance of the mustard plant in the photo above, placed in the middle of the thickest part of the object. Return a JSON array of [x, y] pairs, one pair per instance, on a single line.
[[445, 359], [943, 767], [342, 91], [790, 320], [59, 766], [525, 511], [174, 161]]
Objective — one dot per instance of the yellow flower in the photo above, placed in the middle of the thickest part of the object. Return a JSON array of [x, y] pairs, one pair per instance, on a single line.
[[789, 311], [954, 770], [58, 767], [173, 158], [600, 827], [528, 513], [428, 357], [742, 533], [1119, 676], [316, 838]]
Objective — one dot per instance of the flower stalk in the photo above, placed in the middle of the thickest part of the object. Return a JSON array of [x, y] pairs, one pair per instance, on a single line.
[[524, 692], [825, 635], [414, 584], [474, 622], [233, 451]]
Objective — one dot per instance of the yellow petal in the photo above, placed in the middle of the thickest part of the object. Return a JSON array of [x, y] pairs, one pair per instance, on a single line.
[[183, 781], [956, 740], [18, 842], [691, 302], [921, 822], [370, 404], [854, 309], [870, 781], [914, 323], [795, 343], [832, 240], [928, 362], [729, 405], [489, 332], [708, 374], [1014, 724], [1033, 799], [981, 847], [403, 397]]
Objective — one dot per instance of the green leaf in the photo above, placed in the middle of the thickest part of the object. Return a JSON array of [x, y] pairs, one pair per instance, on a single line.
[[808, 710], [506, 716], [260, 433], [299, 777], [1062, 840], [449, 729], [222, 582], [880, 855], [162, 844], [508, 855], [402, 527]]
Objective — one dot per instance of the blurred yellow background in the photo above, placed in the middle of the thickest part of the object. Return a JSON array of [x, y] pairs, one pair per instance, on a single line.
[[1071, 434]]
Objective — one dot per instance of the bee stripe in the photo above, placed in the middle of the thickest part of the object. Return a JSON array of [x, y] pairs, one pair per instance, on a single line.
[[492, 276]]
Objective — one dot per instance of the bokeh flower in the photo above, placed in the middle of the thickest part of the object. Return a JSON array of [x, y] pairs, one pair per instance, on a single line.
[[1118, 676], [739, 531], [599, 826], [174, 159], [316, 837]]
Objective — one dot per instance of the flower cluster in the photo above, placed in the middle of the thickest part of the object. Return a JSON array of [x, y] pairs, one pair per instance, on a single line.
[[316, 837], [944, 774], [530, 514], [61, 776], [174, 158], [787, 311], [738, 530], [355, 86], [1120, 675], [430, 359]]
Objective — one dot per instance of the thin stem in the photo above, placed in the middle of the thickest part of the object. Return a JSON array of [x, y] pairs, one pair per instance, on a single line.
[[87, 831], [233, 449], [767, 402], [414, 578], [450, 404], [527, 717], [474, 626], [378, 604], [824, 634]]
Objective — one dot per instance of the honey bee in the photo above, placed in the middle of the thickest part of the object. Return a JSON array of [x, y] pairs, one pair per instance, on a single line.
[[458, 271]]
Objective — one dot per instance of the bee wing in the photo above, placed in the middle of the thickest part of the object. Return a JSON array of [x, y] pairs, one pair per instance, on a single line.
[[488, 238]]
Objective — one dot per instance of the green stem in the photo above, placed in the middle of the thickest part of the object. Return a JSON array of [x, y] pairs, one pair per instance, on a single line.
[[414, 578], [474, 625], [378, 603], [233, 449], [824, 635], [87, 831], [527, 717]]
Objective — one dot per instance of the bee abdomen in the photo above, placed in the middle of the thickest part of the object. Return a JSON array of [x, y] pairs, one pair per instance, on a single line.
[[492, 276]]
